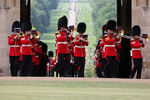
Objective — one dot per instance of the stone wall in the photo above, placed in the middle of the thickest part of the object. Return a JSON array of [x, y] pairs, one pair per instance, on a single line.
[[9, 12], [141, 16]]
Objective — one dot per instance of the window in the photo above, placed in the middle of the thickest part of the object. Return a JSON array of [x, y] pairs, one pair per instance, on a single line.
[[147, 2], [14, 3], [5, 3]]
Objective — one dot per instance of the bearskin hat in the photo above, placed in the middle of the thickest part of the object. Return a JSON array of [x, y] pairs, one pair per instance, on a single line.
[[62, 22], [136, 30], [16, 24], [111, 24], [81, 28], [26, 26], [50, 53]]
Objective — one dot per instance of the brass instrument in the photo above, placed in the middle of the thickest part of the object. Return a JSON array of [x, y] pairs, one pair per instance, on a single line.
[[35, 34]]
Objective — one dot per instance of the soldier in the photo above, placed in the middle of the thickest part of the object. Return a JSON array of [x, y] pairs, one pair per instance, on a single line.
[[136, 44], [62, 47], [50, 64], [79, 50], [110, 50], [14, 51], [26, 49]]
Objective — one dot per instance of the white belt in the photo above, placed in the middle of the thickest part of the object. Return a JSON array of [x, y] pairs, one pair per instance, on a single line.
[[36, 56], [109, 45], [26, 45], [62, 42], [14, 45], [136, 49], [33, 53], [50, 65], [79, 46]]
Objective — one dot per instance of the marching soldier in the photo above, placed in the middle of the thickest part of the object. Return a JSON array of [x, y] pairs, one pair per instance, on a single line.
[[14, 51], [38, 53], [26, 49], [79, 50], [50, 64], [136, 44], [110, 69], [62, 47]]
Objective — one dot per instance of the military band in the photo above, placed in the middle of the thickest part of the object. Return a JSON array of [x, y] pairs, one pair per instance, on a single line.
[[28, 55]]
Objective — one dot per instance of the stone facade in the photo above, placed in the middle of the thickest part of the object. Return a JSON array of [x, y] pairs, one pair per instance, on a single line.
[[9, 12], [140, 16]]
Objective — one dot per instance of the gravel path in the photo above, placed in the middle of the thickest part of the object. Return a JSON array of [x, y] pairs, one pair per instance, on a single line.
[[77, 79]]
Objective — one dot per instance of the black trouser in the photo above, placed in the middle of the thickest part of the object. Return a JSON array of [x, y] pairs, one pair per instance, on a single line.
[[137, 68], [110, 70], [63, 64], [14, 65], [37, 70], [27, 68], [79, 61]]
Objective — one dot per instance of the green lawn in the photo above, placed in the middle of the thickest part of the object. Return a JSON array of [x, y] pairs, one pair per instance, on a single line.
[[73, 90]]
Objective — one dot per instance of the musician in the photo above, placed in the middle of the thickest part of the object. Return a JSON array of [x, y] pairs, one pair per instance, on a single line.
[[136, 45], [26, 49], [79, 50], [62, 39], [50, 64], [102, 50], [14, 51], [110, 69]]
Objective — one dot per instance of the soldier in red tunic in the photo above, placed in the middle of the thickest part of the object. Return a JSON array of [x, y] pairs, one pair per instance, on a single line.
[[79, 50], [50, 64], [62, 39], [14, 51], [26, 49], [110, 50], [136, 44]]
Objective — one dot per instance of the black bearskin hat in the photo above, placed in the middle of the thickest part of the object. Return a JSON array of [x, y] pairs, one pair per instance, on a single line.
[[111, 24], [16, 24], [136, 30], [50, 53], [62, 22], [26, 26], [81, 28]]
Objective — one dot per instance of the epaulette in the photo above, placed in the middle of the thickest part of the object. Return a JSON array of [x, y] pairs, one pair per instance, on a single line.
[[9, 36], [132, 39]]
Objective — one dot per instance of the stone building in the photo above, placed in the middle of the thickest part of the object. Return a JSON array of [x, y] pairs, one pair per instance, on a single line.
[[140, 16], [9, 12]]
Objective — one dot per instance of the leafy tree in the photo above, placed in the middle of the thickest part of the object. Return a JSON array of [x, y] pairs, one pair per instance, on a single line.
[[40, 13]]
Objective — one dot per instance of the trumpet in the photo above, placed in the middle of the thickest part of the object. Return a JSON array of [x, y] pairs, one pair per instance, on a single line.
[[35, 34]]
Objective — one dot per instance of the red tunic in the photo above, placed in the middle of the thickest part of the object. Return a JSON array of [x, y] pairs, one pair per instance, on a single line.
[[79, 48], [62, 44], [14, 46], [110, 46], [26, 47], [51, 64], [34, 44], [136, 48]]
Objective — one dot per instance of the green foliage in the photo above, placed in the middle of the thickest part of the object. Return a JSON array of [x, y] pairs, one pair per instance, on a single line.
[[103, 10], [40, 13]]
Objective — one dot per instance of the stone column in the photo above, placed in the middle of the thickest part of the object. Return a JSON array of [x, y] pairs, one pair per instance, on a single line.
[[141, 13], [9, 12]]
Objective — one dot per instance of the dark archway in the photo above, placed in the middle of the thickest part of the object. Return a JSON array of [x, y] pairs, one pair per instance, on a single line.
[[25, 10], [124, 16]]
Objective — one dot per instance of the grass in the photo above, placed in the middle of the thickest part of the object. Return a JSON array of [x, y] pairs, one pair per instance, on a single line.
[[72, 90]]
